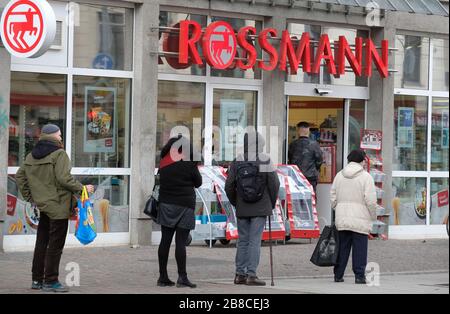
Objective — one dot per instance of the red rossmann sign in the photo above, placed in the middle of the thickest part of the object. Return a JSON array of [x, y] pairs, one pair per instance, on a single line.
[[220, 44]]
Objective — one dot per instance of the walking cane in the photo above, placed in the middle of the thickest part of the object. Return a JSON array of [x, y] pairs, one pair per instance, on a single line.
[[271, 255]]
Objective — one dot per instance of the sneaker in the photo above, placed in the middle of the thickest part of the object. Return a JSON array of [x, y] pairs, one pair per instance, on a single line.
[[165, 283], [254, 281], [336, 279], [54, 287], [36, 285], [185, 283], [360, 281], [240, 279]]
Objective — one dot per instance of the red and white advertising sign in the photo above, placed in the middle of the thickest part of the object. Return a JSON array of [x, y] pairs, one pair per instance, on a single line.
[[226, 48], [443, 198], [371, 139], [28, 27]]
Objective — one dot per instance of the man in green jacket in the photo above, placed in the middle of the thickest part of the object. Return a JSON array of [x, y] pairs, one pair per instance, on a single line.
[[45, 180]]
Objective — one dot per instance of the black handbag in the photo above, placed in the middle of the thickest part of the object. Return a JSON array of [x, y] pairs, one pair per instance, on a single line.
[[152, 205], [326, 252]]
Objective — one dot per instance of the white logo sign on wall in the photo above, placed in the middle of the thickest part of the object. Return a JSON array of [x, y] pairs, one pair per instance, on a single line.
[[28, 27]]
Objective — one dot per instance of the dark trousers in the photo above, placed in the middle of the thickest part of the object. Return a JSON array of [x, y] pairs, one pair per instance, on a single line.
[[50, 241], [313, 182], [180, 251], [358, 244]]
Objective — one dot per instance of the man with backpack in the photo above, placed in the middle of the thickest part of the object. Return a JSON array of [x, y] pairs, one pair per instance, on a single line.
[[306, 154], [252, 187]]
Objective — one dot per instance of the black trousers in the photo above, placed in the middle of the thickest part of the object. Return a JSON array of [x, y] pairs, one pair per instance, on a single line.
[[358, 244], [180, 251], [313, 182], [50, 241]]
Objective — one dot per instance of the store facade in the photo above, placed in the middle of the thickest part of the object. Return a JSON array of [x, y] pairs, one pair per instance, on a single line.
[[106, 62]]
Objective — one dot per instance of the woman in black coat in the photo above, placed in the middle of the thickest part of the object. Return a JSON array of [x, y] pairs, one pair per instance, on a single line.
[[179, 176]]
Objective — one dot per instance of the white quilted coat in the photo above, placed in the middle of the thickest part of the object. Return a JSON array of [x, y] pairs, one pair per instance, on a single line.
[[353, 197]]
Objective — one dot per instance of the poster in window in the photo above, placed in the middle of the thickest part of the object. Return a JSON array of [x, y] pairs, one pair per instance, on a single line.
[[445, 129], [233, 122], [99, 120], [328, 169], [405, 132], [371, 139]]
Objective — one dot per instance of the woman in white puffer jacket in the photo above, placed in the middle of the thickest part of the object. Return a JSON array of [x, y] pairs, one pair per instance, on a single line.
[[353, 197]]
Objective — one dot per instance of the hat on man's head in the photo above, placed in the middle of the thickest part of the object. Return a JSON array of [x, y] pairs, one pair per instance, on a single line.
[[50, 129]]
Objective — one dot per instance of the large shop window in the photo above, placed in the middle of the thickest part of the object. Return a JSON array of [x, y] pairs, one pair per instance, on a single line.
[[409, 204], [410, 133], [234, 111], [111, 202], [168, 41], [104, 38], [180, 106], [110, 206], [439, 135], [412, 62], [101, 122], [36, 99], [440, 64], [439, 201]]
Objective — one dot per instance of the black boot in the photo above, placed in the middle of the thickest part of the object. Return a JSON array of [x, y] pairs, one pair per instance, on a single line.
[[184, 282], [165, 282]]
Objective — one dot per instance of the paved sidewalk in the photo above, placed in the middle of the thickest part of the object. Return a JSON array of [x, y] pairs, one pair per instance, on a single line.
[[406, 267]]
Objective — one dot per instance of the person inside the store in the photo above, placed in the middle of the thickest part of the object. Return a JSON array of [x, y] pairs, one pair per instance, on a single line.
[[306, 154]]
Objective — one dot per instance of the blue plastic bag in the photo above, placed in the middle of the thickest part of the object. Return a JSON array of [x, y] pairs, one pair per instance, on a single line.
[[85, 230]]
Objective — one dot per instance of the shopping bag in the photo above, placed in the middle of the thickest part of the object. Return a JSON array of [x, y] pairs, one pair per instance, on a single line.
[[327, 249], [152, 205], [85, 230], [151, 208]]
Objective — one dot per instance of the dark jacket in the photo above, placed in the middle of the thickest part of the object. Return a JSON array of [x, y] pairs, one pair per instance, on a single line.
[[45, 179], [307, 155], [178, 181], [265, 206]]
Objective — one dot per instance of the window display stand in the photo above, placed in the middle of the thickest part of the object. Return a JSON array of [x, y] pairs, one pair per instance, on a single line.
[[375, 168]]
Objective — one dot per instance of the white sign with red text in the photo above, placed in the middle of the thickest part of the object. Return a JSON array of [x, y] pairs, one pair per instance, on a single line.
[[28, 27]]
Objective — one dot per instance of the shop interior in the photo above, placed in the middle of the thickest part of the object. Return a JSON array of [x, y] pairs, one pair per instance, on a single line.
[[326, 118]]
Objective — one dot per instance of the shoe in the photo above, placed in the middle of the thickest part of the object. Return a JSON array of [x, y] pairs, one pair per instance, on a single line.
[[338, 279], [254, 281], [36, 285], [360, 281], [165, 283], [54, 287], [185, 283], [240, 279]]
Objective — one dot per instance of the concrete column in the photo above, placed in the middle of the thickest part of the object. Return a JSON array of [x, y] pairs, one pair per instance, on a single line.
[[274, 100], [145, 97], [5, 81], [380, 109]]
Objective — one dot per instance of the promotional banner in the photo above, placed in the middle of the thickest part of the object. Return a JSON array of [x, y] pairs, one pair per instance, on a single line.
[[233, 121], [405, 134], [100, 127]]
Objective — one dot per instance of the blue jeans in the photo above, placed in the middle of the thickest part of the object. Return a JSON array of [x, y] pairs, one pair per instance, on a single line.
[[249, 245]]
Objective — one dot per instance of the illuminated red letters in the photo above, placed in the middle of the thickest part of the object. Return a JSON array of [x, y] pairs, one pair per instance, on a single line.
[[220, 45], [302, 54]]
